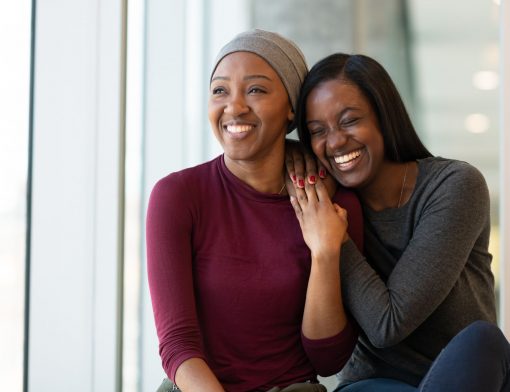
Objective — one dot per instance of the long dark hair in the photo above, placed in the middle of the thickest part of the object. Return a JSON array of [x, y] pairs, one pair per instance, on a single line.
[[401, 142]]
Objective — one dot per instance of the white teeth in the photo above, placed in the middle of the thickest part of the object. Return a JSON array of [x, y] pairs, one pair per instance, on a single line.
[[348, 157], [238, 128]]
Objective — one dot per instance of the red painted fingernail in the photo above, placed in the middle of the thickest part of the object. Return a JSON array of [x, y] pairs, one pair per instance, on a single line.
[[312, 180], [322, 173], [294, 178], [301, 183]]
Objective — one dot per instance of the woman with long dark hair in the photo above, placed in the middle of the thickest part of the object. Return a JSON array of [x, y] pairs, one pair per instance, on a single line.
[[424, 281]]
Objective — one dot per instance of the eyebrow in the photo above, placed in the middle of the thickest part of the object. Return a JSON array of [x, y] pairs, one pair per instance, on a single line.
[[339, 115], [247, 77]]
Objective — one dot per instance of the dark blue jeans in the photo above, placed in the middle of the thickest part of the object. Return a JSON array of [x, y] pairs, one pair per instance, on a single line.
[[477, 359]]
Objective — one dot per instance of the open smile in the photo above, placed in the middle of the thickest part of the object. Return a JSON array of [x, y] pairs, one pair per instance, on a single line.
[[238, 128], [347, 161], [237, 131]]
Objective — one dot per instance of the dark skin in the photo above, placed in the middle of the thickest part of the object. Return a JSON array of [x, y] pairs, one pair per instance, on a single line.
[[301, 165]]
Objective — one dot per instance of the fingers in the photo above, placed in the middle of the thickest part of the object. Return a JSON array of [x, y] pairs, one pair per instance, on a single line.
[[322, 170], [301, 195], [289, 185], [290, 149], [297, 208], [295, 204], [311, 168], [322, 190], [311, 193], [300, 200], [341, 212], [305, 167], [301, 165], [299, 168], [290, 165]]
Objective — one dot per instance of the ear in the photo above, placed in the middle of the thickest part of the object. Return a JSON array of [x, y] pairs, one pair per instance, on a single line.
[[290, 116], [291, 126]]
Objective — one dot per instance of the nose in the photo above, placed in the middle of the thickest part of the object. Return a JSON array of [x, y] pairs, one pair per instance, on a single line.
[[336, 138], [236, 105]]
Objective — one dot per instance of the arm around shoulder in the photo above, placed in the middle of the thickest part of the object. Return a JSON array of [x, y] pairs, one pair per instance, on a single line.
[[450, 214]]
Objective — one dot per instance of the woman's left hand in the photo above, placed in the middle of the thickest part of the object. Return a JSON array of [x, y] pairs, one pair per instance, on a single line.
[[324, 226], [323, 223], [302, 167]]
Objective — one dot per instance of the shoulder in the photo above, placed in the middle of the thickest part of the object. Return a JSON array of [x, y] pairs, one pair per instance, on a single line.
[[182, 183], [198, 173], [453, 184], [437, 165], [454, 175]]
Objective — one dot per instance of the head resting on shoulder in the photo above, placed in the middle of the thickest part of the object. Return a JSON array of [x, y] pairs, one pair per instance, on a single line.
[[401, 142], [280, 53]]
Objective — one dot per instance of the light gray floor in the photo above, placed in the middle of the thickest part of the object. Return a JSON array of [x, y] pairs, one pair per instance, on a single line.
[[329, 382]]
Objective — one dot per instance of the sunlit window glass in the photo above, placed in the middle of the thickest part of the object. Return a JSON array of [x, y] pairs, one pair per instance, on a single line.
[[15, 21]]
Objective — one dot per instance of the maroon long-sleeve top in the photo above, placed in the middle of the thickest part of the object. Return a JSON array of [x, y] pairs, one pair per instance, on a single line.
[[228, 271]]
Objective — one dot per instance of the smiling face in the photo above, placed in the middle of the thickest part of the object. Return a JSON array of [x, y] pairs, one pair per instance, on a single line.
[[344, 132], [249, 109]]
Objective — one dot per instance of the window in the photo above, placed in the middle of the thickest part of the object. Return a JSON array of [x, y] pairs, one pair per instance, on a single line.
[[15, 21]]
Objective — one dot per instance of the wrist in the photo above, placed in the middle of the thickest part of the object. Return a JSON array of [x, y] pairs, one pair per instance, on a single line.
[[326, 257]]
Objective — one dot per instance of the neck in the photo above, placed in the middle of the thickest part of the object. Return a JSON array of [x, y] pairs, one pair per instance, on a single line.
[[266, 176], [388, 189]]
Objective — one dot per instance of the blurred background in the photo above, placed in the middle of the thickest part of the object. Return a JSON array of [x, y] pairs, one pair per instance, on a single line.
[[99, 99]]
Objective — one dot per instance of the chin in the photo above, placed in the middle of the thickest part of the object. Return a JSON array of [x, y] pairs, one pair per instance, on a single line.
[[345, 181]]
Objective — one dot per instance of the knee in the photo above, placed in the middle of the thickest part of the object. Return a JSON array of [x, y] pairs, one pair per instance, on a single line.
[[483, 328], [486, 334]]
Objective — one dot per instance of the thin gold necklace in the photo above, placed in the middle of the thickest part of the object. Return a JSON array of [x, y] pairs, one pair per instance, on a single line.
[[283, 187], [403, 185]]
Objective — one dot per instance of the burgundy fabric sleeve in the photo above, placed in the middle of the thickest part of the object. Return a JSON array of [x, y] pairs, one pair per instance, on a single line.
[[169, 264], [329, 355]]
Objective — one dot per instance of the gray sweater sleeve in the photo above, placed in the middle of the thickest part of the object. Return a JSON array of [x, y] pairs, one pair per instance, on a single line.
[[443, 226]]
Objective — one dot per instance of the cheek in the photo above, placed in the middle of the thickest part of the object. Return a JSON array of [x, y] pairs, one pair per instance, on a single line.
[[279, 111], [212, 112], [319, 149], [379, 147]]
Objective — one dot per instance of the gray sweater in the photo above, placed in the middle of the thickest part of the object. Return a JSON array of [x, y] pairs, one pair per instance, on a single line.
[[425, 274]]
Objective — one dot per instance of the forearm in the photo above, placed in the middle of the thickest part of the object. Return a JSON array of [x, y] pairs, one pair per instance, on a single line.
[[195, 375], [324, 314]]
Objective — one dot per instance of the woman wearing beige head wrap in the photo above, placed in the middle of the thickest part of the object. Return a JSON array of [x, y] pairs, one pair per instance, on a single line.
[[241, 301]]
